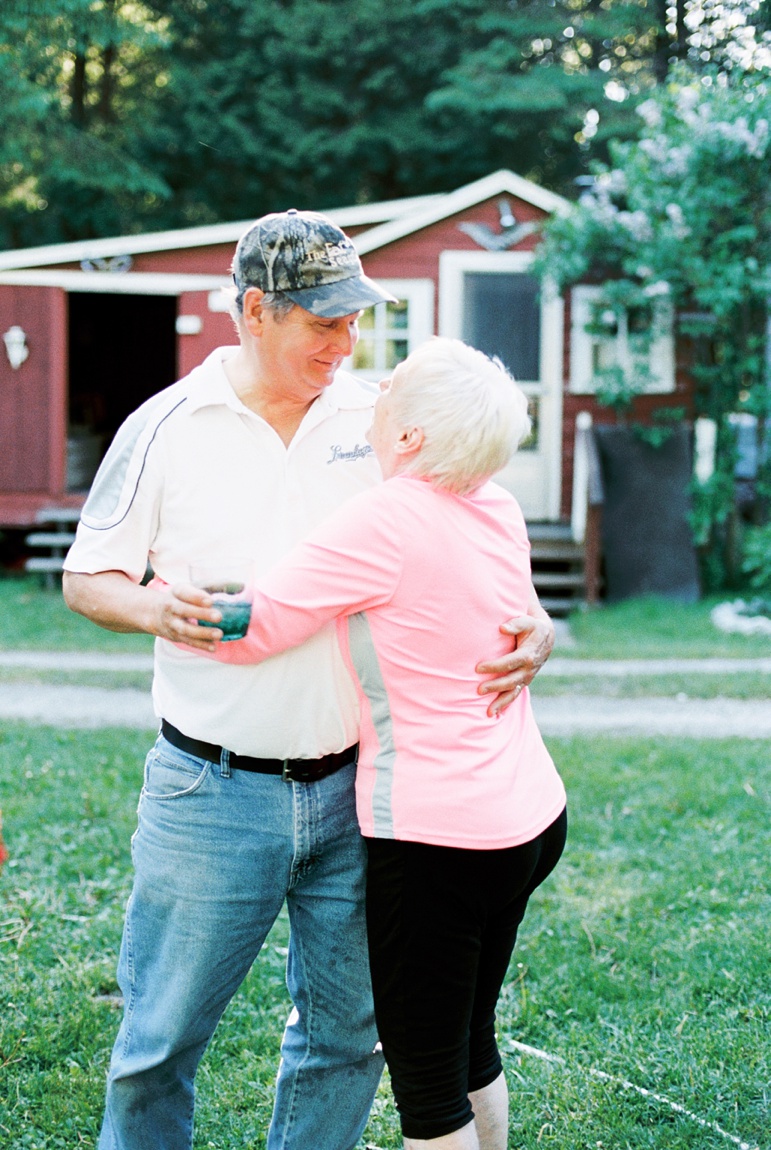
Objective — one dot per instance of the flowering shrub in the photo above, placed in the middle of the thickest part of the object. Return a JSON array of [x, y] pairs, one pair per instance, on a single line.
[[757, 561], [688, 205]]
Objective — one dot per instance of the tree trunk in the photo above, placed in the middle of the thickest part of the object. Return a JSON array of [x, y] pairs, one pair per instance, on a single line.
[[78, 88], [106, 86], [661, 51]]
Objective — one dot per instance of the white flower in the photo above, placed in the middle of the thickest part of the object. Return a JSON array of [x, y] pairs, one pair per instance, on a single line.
[[637, 224], [738, 133], [675, 165], [660, 287], [761, 138], [656, 149], [687, 99], [675, 216], [650, 112]]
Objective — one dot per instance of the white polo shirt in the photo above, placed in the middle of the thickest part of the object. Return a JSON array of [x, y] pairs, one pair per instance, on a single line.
[[192, 474]]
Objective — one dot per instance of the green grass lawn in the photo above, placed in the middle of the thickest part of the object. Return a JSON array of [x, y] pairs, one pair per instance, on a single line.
[[644, 958], [640, 628], [690, 685], [37, 619], [656, 628]]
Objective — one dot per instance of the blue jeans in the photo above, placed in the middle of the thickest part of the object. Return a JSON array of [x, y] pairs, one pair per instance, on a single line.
[[216, 853]]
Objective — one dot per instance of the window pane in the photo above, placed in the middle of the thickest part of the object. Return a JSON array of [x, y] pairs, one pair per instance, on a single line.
[[396, 351], [640, 320], [396, 314], [364, 355], [367, 319], [502, 316], [603, 322], [531, 443], [603, 356]]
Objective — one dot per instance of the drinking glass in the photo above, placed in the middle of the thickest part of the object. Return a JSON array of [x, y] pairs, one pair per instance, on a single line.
[[230, 585]]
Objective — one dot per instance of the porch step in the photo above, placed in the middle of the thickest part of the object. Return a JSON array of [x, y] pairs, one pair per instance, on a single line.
[[557, 560], [558, 567], [56, 539], [70, 516], [45, 564], [561, 580], [560, 550], [59, 525]]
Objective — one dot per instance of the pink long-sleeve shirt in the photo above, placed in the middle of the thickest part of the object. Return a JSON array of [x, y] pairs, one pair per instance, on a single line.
[[421, 579]]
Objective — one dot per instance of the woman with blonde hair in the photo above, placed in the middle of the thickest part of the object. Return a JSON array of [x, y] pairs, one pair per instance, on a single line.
[[463, 813]]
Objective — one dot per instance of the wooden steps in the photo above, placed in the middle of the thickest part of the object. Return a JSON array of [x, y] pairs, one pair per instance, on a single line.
[[557, 560], [558, 567], [58, 533]]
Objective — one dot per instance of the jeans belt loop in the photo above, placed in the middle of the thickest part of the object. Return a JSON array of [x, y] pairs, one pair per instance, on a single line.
[[225, 763]]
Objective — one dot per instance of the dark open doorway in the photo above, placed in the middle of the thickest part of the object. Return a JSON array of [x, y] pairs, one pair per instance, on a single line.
[[122, 350]]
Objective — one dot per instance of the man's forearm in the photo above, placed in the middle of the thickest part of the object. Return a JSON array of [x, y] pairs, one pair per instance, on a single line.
[[547, 637], [534, 634], [113, 601]]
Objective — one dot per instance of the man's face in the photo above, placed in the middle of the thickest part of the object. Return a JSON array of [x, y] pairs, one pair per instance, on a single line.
[[302, 351]]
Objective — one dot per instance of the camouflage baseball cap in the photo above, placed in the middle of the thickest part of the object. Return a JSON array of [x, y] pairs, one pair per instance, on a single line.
[[306, 256]]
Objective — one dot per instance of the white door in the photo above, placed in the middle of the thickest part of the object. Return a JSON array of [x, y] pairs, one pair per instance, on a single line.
[[492, 301]]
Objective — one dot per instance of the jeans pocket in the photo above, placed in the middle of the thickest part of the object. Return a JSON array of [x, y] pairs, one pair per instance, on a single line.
[[173, 777]]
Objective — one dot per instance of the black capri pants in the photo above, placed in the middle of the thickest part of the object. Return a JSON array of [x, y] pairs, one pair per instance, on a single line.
[[442, 923]]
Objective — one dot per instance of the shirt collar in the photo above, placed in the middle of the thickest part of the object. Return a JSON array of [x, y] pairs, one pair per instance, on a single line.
[[209, 386]]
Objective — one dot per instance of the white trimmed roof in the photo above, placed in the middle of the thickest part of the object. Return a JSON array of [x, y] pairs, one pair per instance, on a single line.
[[353, 216], [440, 207], [391, 220], [124, 283]]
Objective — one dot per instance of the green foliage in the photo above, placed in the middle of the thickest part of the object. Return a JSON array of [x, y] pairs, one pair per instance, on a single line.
[[757, 560], [663, 422], [687, 206], [75, 78], [38, 619], [127, 115], [653, 627], [338, 101]]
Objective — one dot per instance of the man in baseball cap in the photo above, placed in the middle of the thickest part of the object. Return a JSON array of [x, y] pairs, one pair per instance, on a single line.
[[309, 259], [248, 799]]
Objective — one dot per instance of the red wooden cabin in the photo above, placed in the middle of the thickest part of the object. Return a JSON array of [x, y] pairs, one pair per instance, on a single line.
[[106, 323]]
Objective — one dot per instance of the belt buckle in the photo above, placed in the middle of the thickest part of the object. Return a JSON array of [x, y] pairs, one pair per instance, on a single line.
[[299, 771]]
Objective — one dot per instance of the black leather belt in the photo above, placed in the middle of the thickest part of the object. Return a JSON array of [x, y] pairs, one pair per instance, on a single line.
[[291, 770]]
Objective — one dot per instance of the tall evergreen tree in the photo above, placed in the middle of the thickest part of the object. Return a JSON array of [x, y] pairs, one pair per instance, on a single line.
[[127, 115], [74, 77]]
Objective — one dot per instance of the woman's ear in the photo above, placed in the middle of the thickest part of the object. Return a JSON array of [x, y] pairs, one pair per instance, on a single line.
[[410, 441]]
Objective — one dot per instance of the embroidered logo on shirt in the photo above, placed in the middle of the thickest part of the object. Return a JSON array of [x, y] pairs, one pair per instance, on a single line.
[[356, 452]]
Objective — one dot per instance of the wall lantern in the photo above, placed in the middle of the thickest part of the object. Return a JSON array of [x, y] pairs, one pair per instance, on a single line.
[[15, 340]]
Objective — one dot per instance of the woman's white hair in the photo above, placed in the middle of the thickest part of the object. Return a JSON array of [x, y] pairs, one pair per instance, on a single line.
[[472, 413]]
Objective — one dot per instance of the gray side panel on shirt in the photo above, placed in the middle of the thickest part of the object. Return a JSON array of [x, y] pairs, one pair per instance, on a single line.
[[116, 480], [365, 661]]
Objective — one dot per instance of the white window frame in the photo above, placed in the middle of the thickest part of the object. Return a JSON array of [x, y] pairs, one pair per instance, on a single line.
[[661, 358], [419, 297]]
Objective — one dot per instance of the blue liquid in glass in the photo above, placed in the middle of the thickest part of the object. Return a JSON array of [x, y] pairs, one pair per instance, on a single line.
[[235, 618]]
